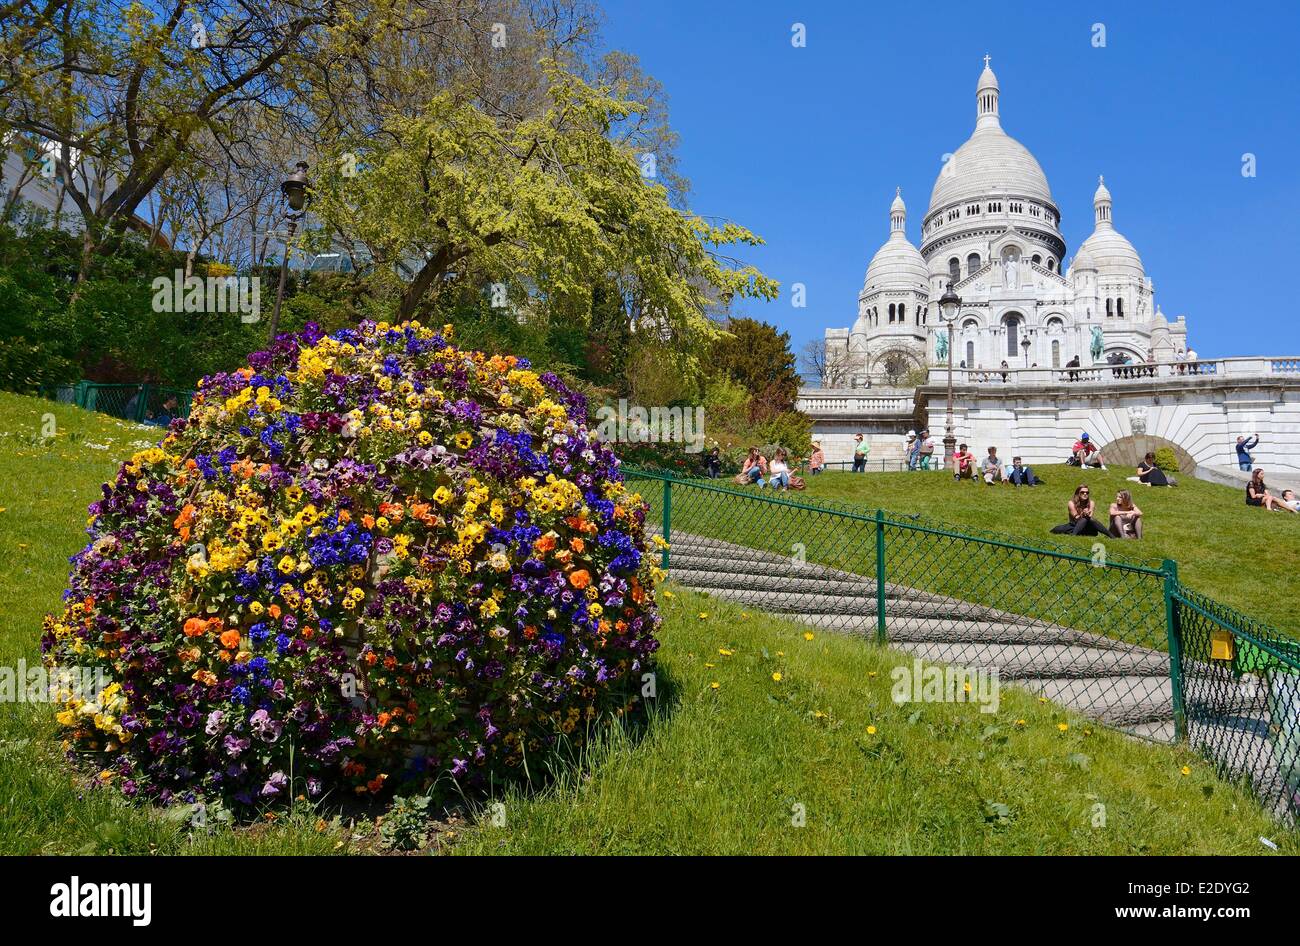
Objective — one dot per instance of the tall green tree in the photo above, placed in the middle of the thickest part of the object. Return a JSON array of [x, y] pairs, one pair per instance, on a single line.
[[758, 358]]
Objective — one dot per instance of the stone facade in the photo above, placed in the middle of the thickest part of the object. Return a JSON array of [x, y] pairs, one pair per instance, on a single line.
[[993, 230]]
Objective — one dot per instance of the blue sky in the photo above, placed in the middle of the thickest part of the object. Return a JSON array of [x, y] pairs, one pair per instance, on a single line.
[[805, 146]]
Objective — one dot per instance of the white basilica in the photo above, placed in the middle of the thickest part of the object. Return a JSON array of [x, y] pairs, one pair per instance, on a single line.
[[993, 231]]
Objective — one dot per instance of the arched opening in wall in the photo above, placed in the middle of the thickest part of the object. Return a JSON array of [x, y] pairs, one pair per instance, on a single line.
[[1038, 260], [970, 354], [1119, 308], [954, 269], [1012, 324], [972, 263], [1051, 265], [891, 313], [902, 312], [1056, 354], [1110, 308]]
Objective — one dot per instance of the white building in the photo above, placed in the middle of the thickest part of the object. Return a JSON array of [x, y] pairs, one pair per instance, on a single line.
[[993, 231]]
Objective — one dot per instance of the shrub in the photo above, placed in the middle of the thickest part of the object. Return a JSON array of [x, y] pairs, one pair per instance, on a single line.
[[1167, 460], [369, 560]]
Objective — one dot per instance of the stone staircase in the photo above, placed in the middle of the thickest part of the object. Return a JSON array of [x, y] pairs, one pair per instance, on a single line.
[[1120, 684]]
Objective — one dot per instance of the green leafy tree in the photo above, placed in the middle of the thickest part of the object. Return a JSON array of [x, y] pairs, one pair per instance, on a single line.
[[758, 358]]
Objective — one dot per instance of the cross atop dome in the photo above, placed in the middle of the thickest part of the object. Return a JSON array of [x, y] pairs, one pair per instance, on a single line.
[[986, 95]]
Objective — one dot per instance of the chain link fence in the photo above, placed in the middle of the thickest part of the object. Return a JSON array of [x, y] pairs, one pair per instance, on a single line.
[[1120, 641], [142, 403]]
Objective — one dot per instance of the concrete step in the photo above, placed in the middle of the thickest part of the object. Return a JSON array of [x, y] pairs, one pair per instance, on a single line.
[[862, 605], [1116, 701], [796, 583], [1035, 661]]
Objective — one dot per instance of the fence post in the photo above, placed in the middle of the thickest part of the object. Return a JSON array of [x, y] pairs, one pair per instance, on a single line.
[[668, 519], [880, 577], [1170, 568]]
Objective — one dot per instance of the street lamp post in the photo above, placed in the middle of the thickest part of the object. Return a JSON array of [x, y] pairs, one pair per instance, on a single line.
[[949, 306], [294, 191], [1024, 343]]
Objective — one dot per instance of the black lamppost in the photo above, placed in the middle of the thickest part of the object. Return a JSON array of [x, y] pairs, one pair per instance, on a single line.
[[949, 306], [1024, 343], [294, 191]]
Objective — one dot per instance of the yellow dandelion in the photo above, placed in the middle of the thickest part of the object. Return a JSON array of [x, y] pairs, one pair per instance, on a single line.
[[1020, 722], [724, 652], [871, 730], [704, 615], [808, 635], [777, 676], [1186, 770], [1062, 726], [714, 685]]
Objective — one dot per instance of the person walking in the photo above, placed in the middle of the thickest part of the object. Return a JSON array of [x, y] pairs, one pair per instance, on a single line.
[[861, 450], [817, 459]]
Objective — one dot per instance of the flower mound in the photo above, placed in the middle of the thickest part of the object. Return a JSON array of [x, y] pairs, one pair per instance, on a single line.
[[367, 561]]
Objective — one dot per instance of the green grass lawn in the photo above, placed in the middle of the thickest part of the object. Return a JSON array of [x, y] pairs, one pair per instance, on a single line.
[[1244, 557], [716, 770]]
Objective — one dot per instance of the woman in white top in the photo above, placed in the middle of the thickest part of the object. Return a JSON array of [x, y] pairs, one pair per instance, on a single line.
[[779, 469]]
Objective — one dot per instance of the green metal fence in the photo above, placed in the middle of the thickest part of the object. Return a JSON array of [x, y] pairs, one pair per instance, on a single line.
[[142, 403], [1121, 641]]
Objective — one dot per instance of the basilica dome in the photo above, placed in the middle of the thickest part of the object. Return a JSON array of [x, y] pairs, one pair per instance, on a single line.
[[1110, 250], [897, 264], [991, 162]]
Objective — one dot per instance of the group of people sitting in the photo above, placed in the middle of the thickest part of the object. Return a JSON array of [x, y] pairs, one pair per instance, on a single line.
[[1257, 494], [1125, 516], [991, 469], [777, 470]]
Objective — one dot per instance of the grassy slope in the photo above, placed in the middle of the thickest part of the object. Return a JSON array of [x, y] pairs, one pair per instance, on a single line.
[[718, 773], [721, 770], [1242, 556]]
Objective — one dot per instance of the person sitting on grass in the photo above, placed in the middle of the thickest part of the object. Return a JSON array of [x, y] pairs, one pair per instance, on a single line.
[[1257, 494], [1021, 475], [1150, 474], [1086, 453], [992, 467], [1125, 518], [816, 460], [713, 464], [780, 470], [755, 466], [1289, 500], [963, 464], [1080, 509]]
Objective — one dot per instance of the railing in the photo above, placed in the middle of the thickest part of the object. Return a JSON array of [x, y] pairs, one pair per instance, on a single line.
[[1122, 641], [851, 402], [142, 403], [1120, 373]]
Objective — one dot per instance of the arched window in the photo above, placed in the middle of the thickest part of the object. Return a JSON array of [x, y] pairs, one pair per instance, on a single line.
[[1051, 265], [1119, 308], [954, 269], [902, 312], [970, 325], [972, 262], [1038, 260], [1110, 308], [1056, 354], [1013, 336], [891, 313], [970, 354]]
